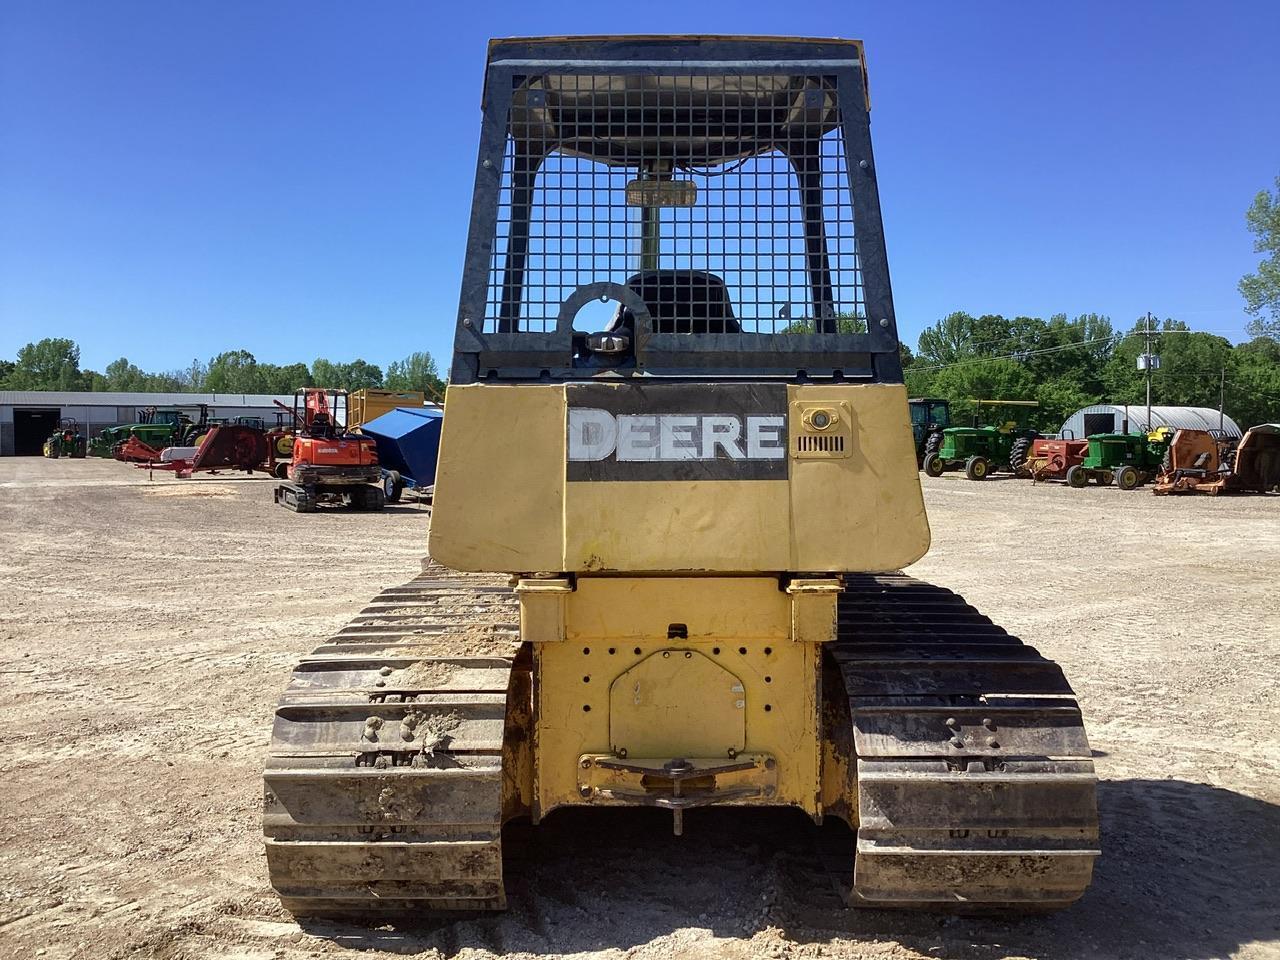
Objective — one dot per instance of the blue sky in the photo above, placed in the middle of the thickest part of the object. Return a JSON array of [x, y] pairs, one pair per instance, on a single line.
[[293, 178]]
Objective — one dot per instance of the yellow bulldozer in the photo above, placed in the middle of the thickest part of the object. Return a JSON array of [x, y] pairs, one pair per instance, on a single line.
[[676, 488]]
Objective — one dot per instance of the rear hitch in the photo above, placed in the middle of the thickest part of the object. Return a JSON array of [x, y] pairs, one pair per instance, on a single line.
[[676, 784]]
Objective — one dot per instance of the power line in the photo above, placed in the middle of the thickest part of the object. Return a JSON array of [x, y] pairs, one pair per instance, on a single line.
[[1014, 336], [1022, 354], [1073, 323]]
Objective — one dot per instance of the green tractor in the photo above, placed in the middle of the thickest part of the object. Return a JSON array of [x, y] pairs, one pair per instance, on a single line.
[[66, 441], [1126, 459], [155, 428], [929, 416], [980, 450]]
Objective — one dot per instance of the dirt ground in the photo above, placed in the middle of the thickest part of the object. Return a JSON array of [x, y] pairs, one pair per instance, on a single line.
[[147, 628]]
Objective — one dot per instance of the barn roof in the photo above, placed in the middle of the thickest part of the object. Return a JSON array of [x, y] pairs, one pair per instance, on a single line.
[[103, 398], [1189, 418]]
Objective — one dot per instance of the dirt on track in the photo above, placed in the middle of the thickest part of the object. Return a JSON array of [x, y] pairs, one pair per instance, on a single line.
[[147, 628]]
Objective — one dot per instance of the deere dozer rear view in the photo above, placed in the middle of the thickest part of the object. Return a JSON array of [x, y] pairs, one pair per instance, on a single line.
[[676, 486]]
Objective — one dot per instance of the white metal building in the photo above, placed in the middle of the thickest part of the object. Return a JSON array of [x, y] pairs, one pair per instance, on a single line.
[[1111, 418], [27, 417]]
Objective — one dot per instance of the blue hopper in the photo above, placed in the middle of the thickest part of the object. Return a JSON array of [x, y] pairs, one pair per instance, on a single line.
[[408, 440]]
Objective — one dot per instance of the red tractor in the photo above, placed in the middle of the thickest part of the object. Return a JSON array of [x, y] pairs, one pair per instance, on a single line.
[[327, 464]]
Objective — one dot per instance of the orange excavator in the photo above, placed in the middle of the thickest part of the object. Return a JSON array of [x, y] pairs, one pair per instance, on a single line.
[[328, 465]]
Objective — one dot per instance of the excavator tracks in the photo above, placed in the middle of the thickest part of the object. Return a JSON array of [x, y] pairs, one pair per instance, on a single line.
[[975, 779], [384, 782], [298, 498]]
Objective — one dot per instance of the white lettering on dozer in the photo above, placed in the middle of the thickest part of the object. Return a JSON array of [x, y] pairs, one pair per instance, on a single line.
[[598, 434]]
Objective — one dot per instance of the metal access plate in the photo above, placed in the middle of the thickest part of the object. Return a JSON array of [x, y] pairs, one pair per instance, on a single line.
[[677, 703]]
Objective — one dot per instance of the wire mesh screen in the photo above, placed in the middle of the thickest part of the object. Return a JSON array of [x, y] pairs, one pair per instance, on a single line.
[[722, 201]]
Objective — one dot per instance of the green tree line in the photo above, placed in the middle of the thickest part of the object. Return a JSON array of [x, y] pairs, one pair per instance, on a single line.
[[54, 364], [1062, 363], [1066, 364]]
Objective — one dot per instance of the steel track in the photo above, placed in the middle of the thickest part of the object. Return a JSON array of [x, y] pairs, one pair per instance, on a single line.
[[974, 775], [383, 787]]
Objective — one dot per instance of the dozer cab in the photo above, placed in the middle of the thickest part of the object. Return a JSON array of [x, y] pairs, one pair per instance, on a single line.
[[929, 417], [673, 499]]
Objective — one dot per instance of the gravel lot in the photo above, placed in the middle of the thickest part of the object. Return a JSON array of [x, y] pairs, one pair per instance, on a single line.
[[148, 626]]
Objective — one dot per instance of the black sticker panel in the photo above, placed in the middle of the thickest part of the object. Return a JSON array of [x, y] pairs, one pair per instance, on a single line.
[[678, 431]]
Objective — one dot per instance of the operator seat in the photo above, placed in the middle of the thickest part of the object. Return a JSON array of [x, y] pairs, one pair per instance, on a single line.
[[321, 427], [680, 301]]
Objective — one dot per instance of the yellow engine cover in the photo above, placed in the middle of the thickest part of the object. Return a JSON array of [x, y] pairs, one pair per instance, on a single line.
[[634, 476]]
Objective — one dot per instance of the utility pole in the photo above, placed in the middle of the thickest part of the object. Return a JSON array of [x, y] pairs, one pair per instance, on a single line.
[[1147, 364], [1222, 400]]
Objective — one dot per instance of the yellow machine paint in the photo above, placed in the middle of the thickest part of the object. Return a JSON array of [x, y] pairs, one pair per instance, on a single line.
[[503, 503], [637, 672], [369, 404], [669, 631]]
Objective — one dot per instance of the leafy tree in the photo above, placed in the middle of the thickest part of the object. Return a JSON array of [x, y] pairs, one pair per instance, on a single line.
[[50, 364], [845, 323], [906, 356], [1261, 290], [284, 379], [325, 374], [1253, 382], [235, 371], [123, 376], [355, 375], [192, 378], [994, 379], [919, 380], [1057, 363], [359, 374], [6, 371], [415, 372], [162, 383], [1076, 348], [960, 336], [1190, 373], [1058, 399]]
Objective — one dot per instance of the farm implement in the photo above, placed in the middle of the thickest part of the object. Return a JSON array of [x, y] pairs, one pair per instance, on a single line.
[[135, 450], [1199, 462], [225, 447]]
